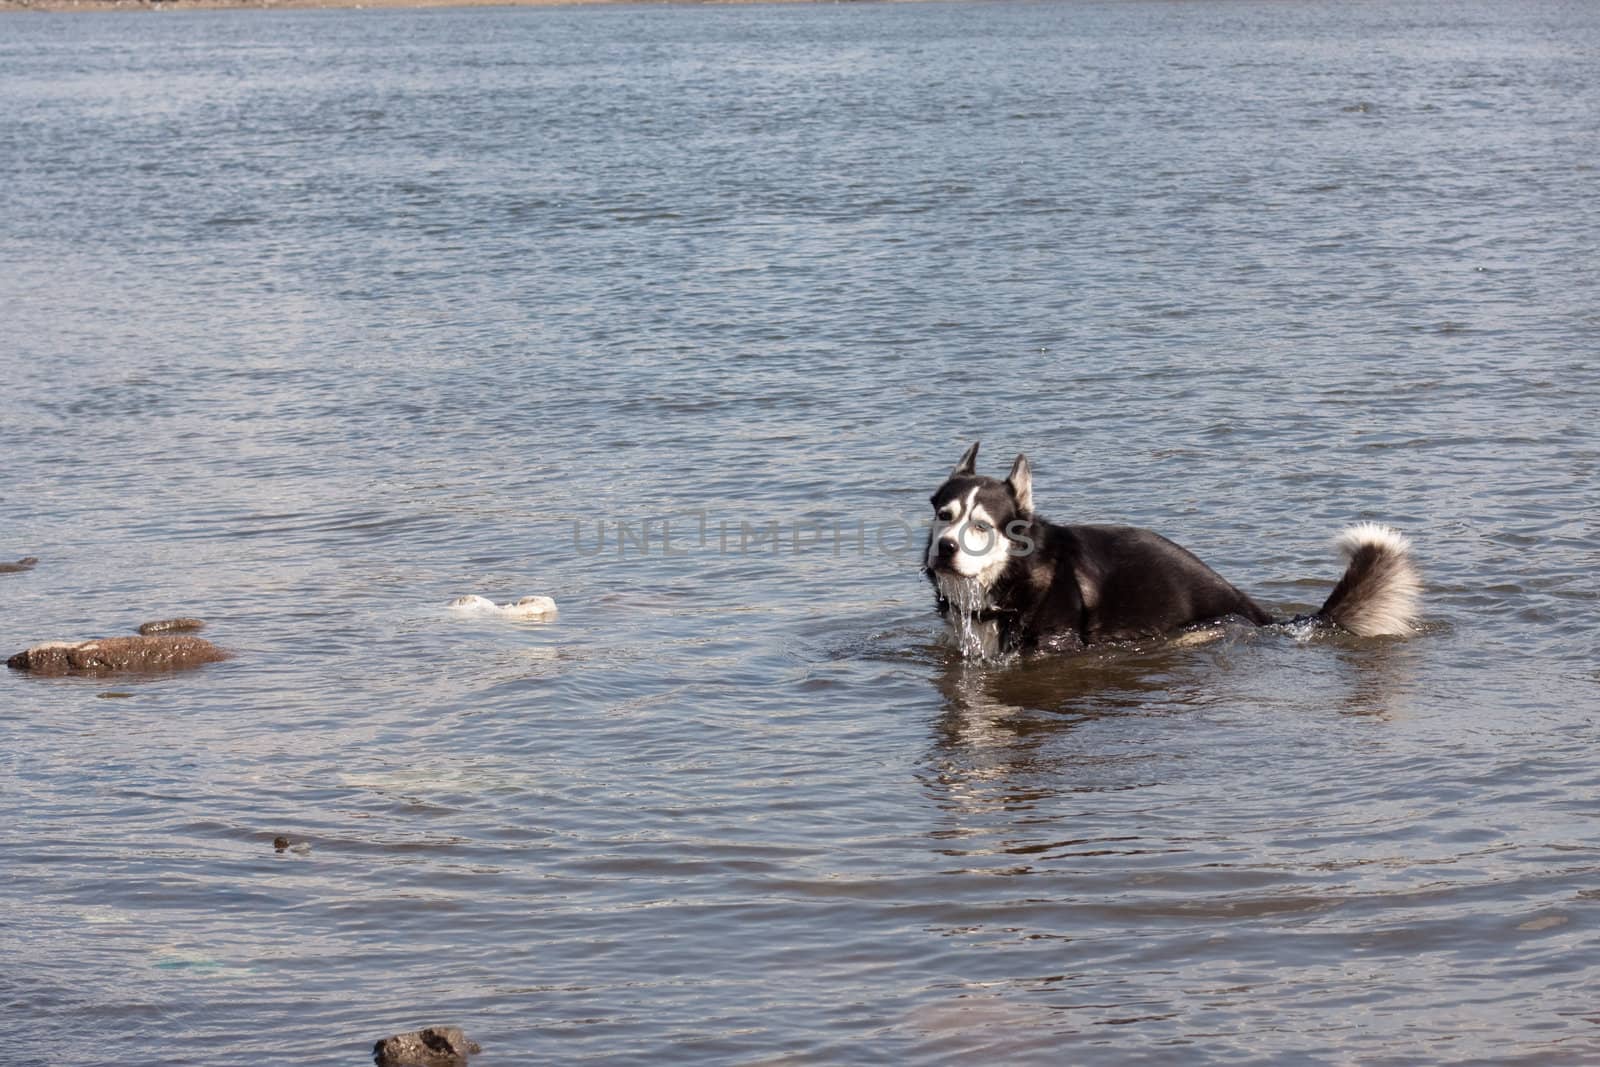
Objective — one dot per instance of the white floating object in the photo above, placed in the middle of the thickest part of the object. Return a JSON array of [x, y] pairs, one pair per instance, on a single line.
[[529, 607]]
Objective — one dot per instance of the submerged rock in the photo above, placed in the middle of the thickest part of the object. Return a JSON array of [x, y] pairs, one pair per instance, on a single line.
[[108, 654], [529, 607], [282, 844], [182, 625], [436, 1046], [26, 563]]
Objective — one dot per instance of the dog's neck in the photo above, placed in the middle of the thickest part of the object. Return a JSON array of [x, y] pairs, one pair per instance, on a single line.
[[975, 623], [970, 596]]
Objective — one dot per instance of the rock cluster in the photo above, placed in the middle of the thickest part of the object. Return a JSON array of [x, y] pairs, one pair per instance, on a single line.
[[435, 1046], [172, 626], [106, 655]]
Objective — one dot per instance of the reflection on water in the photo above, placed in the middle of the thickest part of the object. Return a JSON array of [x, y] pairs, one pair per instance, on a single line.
[[1010, 736]]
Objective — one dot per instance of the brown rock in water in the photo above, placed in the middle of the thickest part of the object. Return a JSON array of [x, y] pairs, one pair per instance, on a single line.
[[26, 563], [172, 626], [108, 654], [436, 1046]]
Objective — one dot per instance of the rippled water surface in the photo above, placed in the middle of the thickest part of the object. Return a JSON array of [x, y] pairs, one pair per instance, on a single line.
[[316, 320]]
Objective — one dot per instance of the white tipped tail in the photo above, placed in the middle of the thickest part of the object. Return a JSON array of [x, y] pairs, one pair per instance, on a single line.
[[1379, 592]]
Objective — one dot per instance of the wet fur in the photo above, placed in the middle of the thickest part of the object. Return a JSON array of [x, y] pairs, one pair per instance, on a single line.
[[1063, 587]]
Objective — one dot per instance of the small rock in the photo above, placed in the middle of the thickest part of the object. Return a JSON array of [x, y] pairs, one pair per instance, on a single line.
[[529, 607], [26, 563], [110, 654], [436, 1046], [172, 626]]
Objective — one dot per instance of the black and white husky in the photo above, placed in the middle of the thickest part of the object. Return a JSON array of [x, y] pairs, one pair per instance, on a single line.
[[1007, 580]]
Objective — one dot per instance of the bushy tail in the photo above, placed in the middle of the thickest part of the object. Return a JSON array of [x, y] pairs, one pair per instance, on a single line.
[[1379, 591]]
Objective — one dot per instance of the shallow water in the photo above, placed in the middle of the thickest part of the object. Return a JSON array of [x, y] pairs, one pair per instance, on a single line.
[[318, 320]]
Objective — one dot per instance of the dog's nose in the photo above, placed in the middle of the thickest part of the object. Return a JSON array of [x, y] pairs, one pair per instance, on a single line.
[[947, 547]]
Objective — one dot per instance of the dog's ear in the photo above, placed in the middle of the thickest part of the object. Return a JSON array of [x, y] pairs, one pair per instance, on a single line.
[[1020, 482], [968, 464]]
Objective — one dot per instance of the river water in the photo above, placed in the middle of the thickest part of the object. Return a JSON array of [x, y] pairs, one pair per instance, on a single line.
[[316, 320]]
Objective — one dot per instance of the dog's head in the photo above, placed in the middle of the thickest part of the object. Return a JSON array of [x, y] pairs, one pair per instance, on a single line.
[[978, 522]]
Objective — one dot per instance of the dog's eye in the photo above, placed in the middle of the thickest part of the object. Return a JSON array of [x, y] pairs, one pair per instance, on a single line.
[[946, 513], [981, 527]]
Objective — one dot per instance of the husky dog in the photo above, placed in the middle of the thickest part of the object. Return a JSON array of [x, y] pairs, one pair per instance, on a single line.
[[1008, 580]]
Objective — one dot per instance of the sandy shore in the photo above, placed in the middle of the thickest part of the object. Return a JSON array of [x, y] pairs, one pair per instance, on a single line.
[[264, 5]]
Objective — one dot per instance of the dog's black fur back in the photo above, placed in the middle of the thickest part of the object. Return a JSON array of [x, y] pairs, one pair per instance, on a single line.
[[1115, 583], [1068, 586]]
